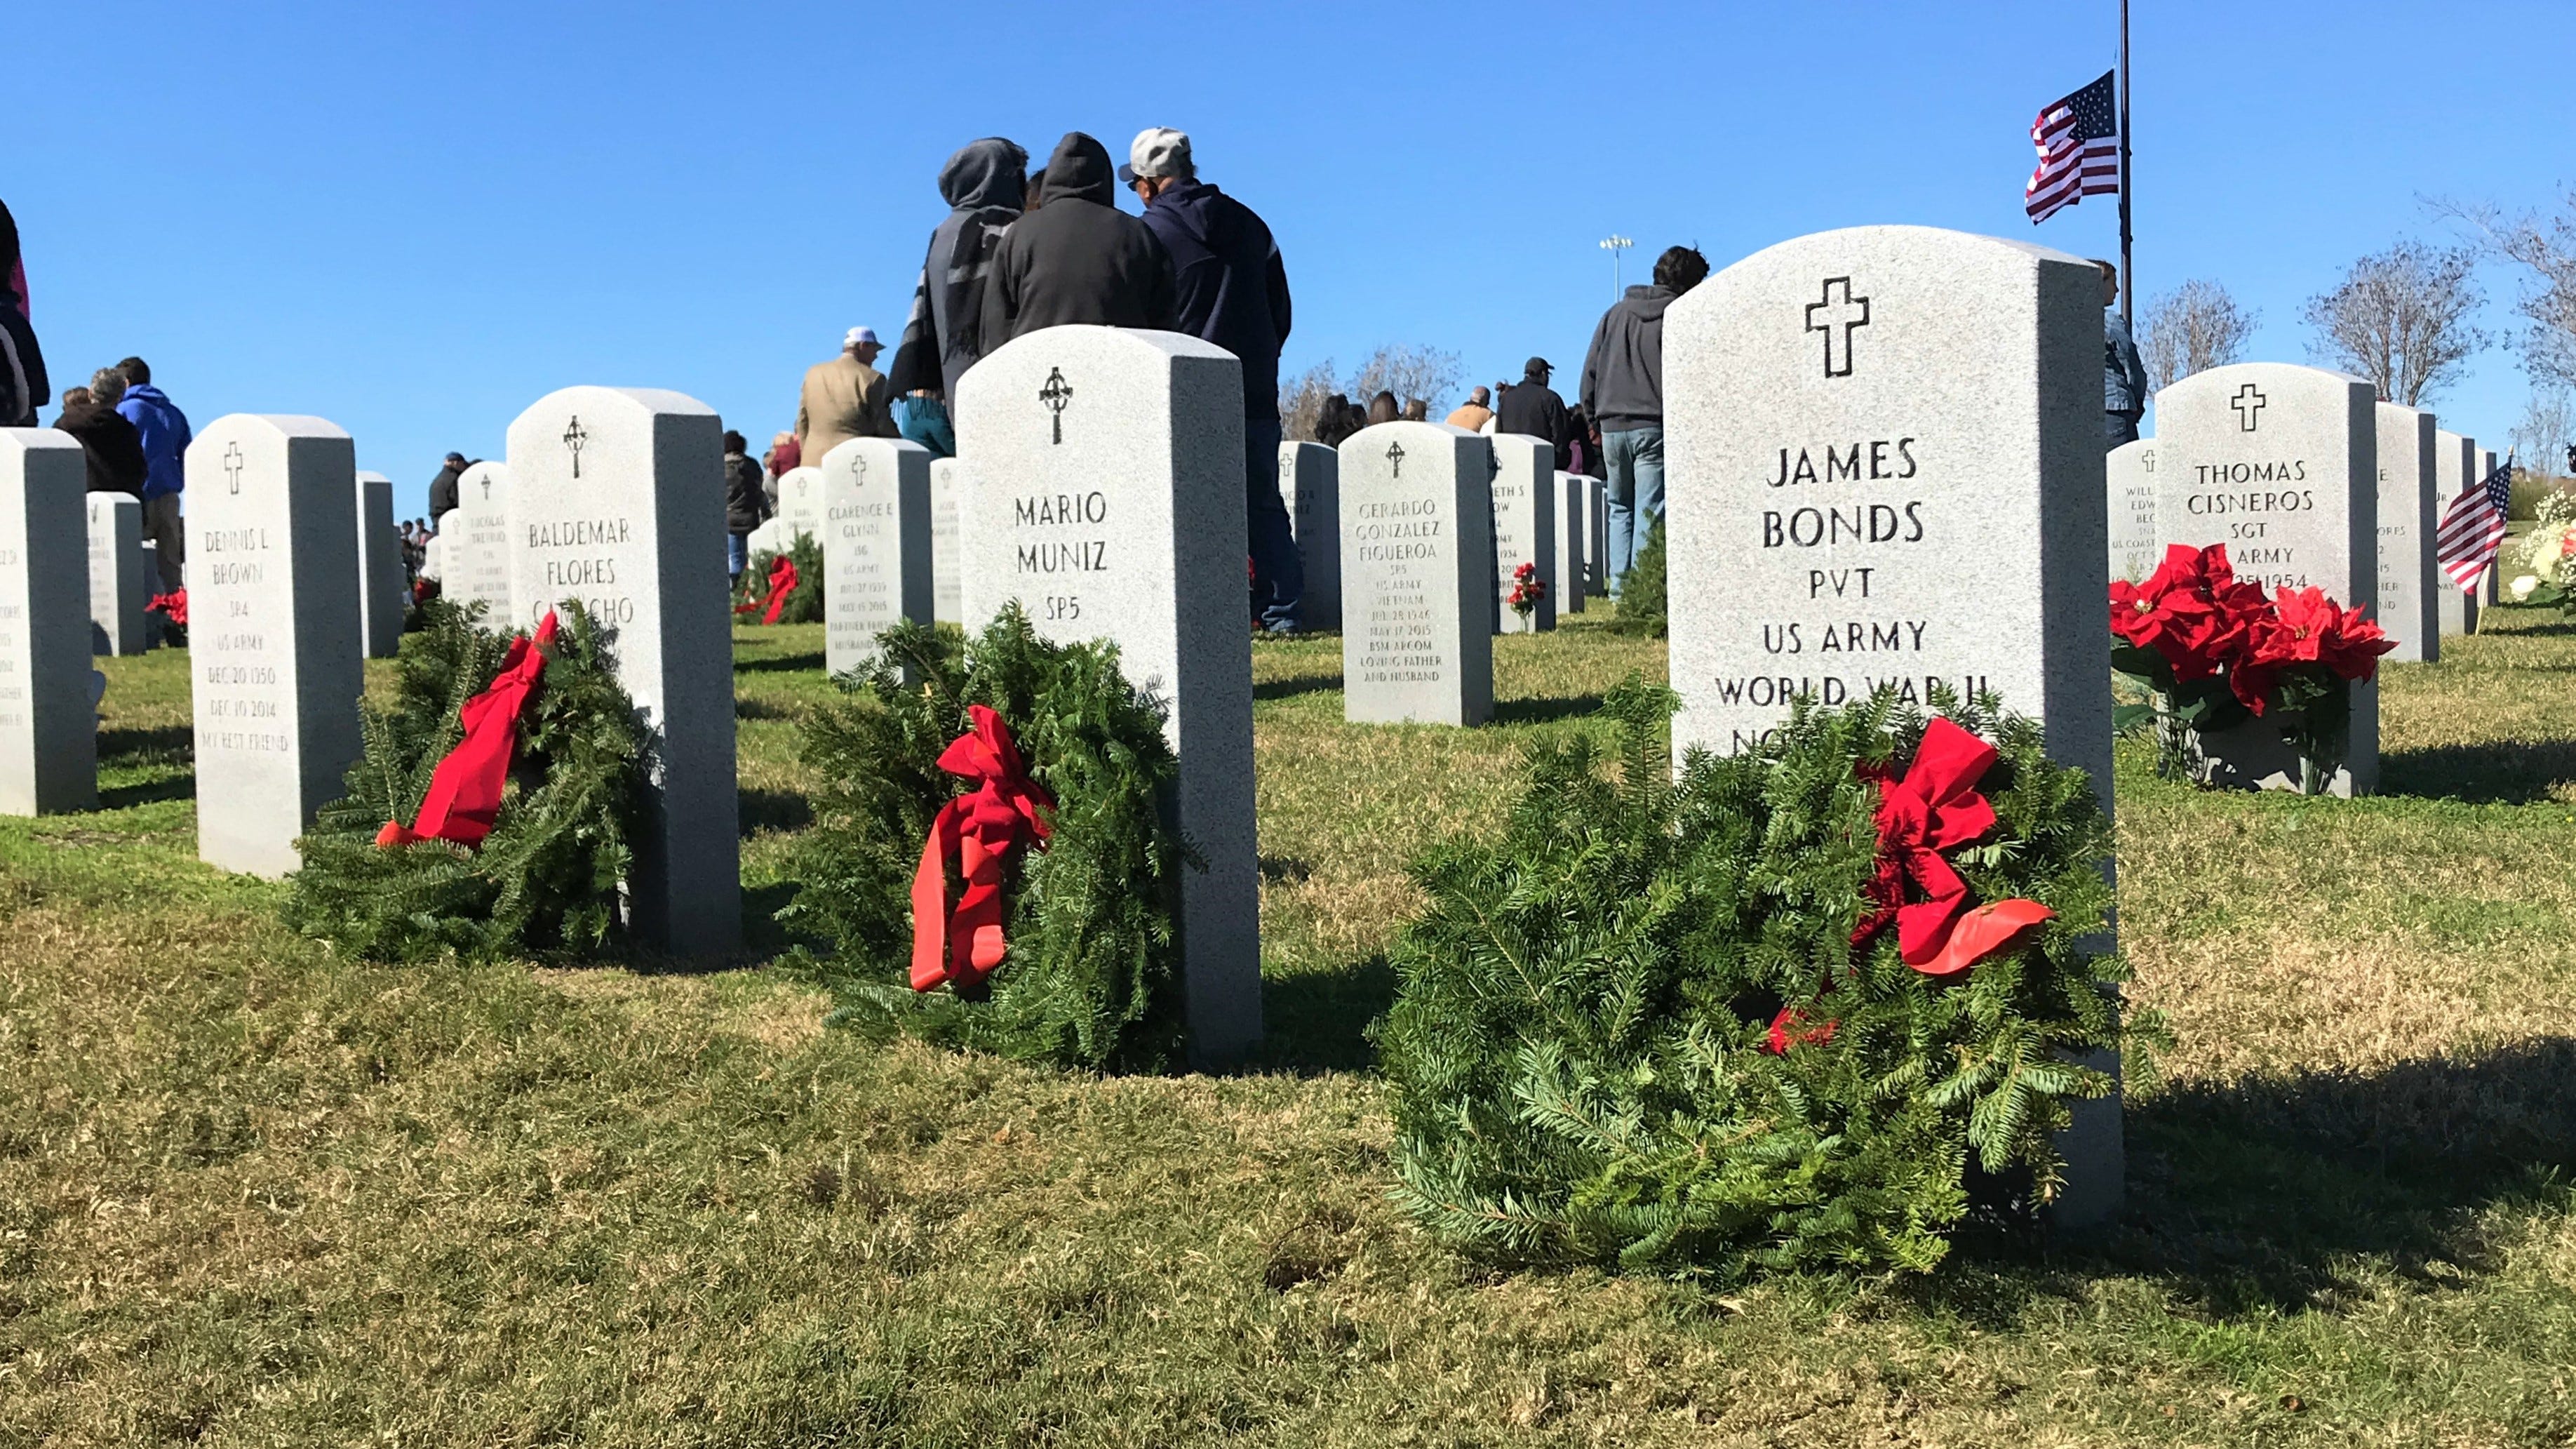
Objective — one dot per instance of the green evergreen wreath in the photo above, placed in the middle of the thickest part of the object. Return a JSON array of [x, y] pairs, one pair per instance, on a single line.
[[1641, 590], [1091, 978], [546, 879], [1581, 1045], [804, 602]]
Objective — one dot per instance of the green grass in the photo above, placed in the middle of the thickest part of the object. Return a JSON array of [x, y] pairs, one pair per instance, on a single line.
[[254, 1194]]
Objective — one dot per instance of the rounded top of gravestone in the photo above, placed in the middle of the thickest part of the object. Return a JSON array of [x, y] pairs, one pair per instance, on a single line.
[[2311, 381], [364, 476], [2450, 439], [850, 453], [1918, 245], [645, 400], [282, 425], [38, 440], [1090, 340], [492, 468]]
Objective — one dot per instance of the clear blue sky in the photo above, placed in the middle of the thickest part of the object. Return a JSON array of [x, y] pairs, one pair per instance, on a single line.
[[416, 220]]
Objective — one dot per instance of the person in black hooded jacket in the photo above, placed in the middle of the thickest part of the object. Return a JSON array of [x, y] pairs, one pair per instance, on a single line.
[[942, 338], [1078, 258]]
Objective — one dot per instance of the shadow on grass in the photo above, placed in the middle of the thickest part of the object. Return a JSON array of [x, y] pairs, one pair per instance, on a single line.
[[1542, 711], [2501, 772], [150, 792], [783, 664], [773, 810], [1291, 688], [1317, 1021], [175, 743]]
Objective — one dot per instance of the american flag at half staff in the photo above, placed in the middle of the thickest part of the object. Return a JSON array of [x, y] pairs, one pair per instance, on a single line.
[[2078, 138], [2473, 528]]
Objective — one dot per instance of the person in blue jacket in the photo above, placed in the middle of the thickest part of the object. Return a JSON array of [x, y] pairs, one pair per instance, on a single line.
[[165, 456], [2124, 378]]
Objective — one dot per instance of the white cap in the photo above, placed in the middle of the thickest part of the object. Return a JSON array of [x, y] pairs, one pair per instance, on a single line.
[[858, 337]]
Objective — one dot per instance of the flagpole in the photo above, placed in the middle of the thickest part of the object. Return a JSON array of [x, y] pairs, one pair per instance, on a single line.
[[2128, 274]]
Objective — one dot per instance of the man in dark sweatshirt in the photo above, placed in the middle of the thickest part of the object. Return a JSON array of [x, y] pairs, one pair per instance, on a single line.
[[1232, 290], [1078, 258], [1534, 410], [1623, 393]]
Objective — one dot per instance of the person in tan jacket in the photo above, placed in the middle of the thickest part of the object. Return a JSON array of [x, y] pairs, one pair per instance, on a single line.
[[844, 398]]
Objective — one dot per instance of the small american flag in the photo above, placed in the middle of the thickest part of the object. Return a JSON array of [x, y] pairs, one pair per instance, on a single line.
[[2473, 528], [2079, 150]]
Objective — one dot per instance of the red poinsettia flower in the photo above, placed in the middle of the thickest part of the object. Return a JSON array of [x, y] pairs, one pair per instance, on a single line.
[[2192, 611]]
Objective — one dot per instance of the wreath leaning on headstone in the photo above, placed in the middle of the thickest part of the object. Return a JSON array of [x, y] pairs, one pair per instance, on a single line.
[[785, 587], [1765, 1016], [990, 856], [492, 812]]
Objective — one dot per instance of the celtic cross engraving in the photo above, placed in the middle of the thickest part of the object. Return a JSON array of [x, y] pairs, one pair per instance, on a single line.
[[1055, 395], [574, 435], [1395, 458]]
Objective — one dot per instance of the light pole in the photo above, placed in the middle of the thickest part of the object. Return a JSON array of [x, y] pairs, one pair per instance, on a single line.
[[1614, 244]]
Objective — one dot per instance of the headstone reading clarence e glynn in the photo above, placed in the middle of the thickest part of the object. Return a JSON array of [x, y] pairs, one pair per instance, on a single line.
[[800, 505], [2280, 463], [1524, 482], [617, 500], [48, 726], [947, 591], [1885, 470], [1106, 499], [276, 657], [478, 542], [2455, 459], [1566, 583], [117, 591], [1417, 559], [381, 585], [2407, 606], [876, 544], [1310, 484], [2130, 479]]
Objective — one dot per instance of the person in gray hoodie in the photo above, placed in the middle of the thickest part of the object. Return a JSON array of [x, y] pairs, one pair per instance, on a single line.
[[1623, 395], [942, 337]]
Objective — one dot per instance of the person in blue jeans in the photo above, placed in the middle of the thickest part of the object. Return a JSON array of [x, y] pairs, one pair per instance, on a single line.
[[1623, 394]]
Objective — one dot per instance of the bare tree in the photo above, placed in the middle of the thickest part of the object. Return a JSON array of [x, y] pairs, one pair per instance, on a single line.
[[2400, 318], [2543, 438], [2547, 248], [1409, 370], [1301, 401], [2192, 328]]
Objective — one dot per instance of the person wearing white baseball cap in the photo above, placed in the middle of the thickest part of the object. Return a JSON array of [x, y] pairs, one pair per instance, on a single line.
[[844, 398]]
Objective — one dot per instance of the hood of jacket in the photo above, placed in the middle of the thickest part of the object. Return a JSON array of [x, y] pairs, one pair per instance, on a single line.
[[1649, 301], [1079, 171], [984, 173]]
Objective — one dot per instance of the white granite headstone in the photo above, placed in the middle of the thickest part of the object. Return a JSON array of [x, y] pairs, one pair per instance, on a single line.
[[2408, 605], [477, 538], [2455, 459], [433, 554], [1596, 538], [1310, 483], [276, 657], [2130, 479], [947, 590], [1417, 559], [617, 499], [118, 587], [1524, 485], [1567, 582], [48, 723], [876, 544], [2280, 463], [381, 586], [1106, 499], [800, 505]]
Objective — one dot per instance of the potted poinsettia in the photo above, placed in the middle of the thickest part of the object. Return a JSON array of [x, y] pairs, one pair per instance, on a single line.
[[2214, 652]]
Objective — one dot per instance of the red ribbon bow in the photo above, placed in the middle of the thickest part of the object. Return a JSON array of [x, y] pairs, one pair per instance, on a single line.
[[981, 829], [1935, 808], [172, 606], [782, 582], [465, 790]]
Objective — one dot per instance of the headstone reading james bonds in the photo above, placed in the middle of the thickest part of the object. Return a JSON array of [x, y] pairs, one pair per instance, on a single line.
[[1885, 470], [2280, 463], [381, 586], [2455, 459], [477, 542], [876, 544], [1310, 483], [1106, 499], [1566, 584], [276, 659], [1417, 559], [617, 500], [947, 591], [2407, 606], [117, 587], [800, 505], [2130, 479], [1524, 482], [48, 727]]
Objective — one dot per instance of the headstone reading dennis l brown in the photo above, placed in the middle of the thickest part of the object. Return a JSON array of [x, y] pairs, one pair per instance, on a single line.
[[1566, 584], [1310, 483], [1106, 499], [2455, 459], [117, 584], [381, 585], [1524, 488], [2407, 605], [617, 500], [876, 544], [1884, 469], [800, 505], [947, 590], [2130, 480], [48, 727], [2280, 463], [276, 658], [476, 538], [1417, 560]]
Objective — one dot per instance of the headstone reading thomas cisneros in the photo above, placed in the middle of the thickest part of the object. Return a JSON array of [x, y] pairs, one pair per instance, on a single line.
[[2130, 480], [118, 587], [381, 586], [1417, 560], [48, 728], [876, 544], [1310, 484], [2407, 605], [1524, 485]]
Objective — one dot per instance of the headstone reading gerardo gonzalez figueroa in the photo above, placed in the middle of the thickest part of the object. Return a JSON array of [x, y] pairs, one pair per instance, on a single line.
[[381, 585], [1310, 485], [876, 544], [1567, 583], [1105, 497], [2280, 463], [48, 725], [1884, 469], [800, 505], [276, 658], [617, 501], [476, 538], [947, 592], [2455, 461], [1417, 575], [2130, 481], [117, 587], [1524, 485], [2407, 604]]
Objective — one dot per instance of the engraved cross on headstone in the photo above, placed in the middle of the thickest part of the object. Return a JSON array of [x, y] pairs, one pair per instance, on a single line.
[[1055, 395], [233, 465], [2249, 406], [858, 470], [1395, 457], [1838, 315], [574, 435]]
